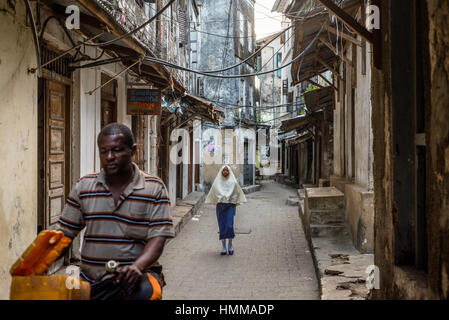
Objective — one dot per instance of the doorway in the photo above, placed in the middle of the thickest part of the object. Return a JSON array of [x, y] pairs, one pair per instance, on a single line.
[[53, 151], [108, 100]]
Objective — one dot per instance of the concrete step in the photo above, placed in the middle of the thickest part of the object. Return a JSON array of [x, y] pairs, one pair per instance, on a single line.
[[325, 230], [325, 198], [323, 216]]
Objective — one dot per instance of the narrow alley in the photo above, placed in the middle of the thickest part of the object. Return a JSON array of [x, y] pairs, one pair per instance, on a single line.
[[126, 125], [271, 259]]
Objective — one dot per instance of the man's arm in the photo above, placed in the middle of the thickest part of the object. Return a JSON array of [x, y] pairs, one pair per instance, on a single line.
[[71, 221], [152, 251], [156, 238]]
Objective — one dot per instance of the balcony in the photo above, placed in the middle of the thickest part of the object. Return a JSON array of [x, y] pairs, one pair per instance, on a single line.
[[129, 15]]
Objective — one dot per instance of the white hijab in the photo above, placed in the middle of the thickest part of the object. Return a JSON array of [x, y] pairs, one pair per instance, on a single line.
[[225, 190]]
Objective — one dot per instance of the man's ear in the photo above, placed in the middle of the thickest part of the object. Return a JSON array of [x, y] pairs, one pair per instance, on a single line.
[[134, 149]]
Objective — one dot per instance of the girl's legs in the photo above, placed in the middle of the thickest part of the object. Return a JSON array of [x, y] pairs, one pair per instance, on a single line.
[[223, 251], [230, 248]]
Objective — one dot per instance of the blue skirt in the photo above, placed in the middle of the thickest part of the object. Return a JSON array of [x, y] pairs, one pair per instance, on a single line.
[[225, 218]]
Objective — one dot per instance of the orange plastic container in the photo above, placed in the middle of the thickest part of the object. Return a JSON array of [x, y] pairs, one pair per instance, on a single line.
[[47, 288], [28, 281]]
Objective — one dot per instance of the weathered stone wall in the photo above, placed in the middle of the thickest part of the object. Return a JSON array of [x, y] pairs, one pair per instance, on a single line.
[[353, 154], [218, 52], [18, 130], [438, 141], [399, 282], [270, 84]]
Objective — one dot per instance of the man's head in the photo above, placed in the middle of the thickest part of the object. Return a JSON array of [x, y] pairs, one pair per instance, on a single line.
[[117, 147]]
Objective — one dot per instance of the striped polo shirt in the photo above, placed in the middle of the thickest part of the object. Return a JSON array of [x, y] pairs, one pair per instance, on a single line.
[[115, 231]]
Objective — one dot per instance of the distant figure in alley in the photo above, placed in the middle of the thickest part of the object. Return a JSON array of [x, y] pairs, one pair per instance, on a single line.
[[125, 213], [226, 194]]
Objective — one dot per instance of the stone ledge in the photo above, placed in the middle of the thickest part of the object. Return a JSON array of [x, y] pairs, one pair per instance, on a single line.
[[186, 209], [251, 189], [339, 267]]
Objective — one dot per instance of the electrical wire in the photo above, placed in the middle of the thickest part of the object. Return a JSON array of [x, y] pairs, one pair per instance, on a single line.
[[35, 37], [208, 74], [225, 51], [44, 26], [268, 60], [235, 37], [169, 64], [128, 34], [283, 45], [250, 56], [278, 34]]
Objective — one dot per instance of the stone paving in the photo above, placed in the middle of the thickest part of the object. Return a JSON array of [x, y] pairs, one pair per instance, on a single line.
[[271, 259]]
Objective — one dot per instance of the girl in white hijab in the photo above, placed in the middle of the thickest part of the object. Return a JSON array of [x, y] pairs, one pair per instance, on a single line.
[[226, 193]]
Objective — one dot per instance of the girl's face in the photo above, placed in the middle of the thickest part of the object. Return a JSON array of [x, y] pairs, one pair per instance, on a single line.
[[225, 172]]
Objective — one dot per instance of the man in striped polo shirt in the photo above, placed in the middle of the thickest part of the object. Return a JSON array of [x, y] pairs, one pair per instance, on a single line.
[[126, 215]]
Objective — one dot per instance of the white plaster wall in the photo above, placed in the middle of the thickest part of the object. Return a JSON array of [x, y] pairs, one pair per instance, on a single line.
[[90, 111], [88, 118], [363, 129], [339, 144], [172, 183], [18, 147], [363, 155], [153, 145], [348, 122]]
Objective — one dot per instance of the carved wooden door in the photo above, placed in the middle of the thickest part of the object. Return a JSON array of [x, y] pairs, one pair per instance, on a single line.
[[56, 151]]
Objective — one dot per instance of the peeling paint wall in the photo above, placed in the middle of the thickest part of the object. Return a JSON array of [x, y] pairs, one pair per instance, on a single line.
[[18, 130], [438, 219], [218, 52], [407, 282], [353, 153], [270, 84]]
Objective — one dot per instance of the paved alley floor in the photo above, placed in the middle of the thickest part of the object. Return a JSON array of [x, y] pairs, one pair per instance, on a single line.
[[271, 259]]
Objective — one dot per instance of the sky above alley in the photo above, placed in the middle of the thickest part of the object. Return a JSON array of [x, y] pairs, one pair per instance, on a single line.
[[266, 22]]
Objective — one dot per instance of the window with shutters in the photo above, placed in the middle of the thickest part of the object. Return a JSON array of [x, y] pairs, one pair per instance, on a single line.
[[285, 87], [279, 64], [194, 47]]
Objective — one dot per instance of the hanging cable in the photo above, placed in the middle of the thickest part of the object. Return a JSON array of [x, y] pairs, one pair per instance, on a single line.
[[252, 55], [225, 51], [114, 77], [35, 39], [126, 35], [169, 64], [209, 74]]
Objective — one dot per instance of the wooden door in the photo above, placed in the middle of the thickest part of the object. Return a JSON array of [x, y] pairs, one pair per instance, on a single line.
[[108, 114], [56, 150], [108, 100]]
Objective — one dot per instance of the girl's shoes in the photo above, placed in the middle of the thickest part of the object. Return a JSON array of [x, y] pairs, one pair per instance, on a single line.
[[223, 252], [231, 252]]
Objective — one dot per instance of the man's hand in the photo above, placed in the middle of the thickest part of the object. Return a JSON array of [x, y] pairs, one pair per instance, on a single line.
[[129, 274], [152, 251]]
